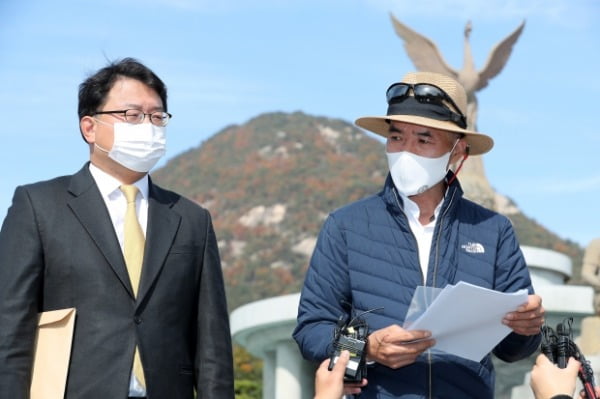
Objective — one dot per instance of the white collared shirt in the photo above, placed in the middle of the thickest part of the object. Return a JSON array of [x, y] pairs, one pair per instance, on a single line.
[[423, 233], [117, 205]]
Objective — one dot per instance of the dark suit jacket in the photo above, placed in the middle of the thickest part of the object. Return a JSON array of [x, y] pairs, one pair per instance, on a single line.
[[58, 249]]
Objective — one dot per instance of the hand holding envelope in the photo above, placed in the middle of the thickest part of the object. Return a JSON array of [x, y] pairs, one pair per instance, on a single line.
[[52, 354]]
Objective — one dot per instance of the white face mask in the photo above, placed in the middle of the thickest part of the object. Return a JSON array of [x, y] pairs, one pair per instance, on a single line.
[[413, 174], [137, 146]]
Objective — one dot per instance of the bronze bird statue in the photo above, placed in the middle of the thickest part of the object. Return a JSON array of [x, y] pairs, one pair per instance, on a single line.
[[426, 56]]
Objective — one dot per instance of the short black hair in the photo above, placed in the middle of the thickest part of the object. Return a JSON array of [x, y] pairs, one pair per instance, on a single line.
[[93, 91]]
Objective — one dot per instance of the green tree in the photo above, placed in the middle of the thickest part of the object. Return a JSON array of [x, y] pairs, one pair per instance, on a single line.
[[248, 374]]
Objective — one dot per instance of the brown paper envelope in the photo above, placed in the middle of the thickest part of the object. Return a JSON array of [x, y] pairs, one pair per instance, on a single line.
[[52, 354]]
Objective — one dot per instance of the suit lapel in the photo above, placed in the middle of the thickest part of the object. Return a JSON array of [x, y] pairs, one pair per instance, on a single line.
[[89, 208], [163, 223]]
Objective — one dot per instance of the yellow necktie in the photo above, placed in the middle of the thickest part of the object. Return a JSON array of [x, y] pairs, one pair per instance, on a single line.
[[133, 250]]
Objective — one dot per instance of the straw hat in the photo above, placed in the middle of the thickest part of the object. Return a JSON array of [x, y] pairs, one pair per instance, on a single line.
[[478, 143]]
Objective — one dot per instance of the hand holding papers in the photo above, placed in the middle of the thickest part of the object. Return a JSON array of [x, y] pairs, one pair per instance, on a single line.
[[466, 320]]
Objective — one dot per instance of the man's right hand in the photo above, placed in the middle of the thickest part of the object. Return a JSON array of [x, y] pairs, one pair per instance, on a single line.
[[396, 347]]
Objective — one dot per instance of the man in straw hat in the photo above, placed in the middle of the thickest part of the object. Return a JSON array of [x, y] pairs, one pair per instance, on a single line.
[[418, 231]]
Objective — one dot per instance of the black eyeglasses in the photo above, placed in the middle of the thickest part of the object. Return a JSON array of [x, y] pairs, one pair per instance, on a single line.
[[426, 93], [135, 116]]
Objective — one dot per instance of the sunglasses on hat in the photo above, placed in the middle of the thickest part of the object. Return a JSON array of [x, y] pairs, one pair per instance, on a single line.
[[427, 94]]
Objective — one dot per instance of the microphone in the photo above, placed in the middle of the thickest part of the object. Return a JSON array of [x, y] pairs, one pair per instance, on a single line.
[[562, 346], [548, 344], [559, 347]]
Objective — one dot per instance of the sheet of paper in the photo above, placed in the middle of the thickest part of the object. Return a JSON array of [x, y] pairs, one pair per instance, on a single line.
[[466, 320]]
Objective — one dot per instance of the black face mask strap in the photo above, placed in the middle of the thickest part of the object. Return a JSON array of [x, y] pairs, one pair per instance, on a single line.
[[411, 106]]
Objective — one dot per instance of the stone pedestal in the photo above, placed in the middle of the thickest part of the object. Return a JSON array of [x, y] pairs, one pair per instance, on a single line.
[[475, 184]]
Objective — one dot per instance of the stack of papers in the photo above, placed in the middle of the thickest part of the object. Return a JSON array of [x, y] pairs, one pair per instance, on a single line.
[[466, 320]]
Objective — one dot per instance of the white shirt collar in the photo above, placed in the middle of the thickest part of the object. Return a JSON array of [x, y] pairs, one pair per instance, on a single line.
[[411, 209], [423, 233], [108, 184]]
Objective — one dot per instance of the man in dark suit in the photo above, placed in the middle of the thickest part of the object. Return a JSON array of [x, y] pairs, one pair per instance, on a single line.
[[155, 327]]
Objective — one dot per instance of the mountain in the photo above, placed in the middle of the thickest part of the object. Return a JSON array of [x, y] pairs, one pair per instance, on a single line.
[[270, 183]]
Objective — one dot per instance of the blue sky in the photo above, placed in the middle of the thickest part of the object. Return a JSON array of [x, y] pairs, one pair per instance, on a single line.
[[227, 61]]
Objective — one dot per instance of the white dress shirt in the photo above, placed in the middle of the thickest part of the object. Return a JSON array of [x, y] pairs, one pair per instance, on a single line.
[[423, 233], [117, 205]]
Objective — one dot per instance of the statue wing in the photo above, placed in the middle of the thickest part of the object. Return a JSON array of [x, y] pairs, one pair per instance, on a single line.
[[423, 52], [498, 57]]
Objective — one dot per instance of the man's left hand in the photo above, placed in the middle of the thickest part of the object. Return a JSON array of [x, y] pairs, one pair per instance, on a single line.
[[528, 318]]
